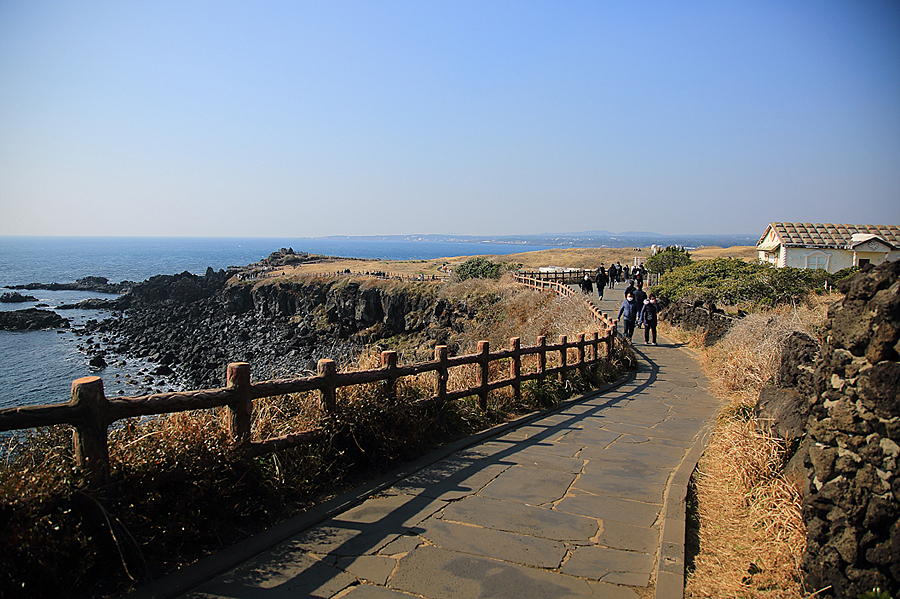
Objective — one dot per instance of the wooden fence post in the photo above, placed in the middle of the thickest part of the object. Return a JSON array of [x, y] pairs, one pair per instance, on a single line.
[[595, 350], [611, 338], [327, 370], [440, 356], [389, 361], [542, 354], [579, 342], [563, 357], [515, 367], [91, 446], [483, 373], [239, 414]]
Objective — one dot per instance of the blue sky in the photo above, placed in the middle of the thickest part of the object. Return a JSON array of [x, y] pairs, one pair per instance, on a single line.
[[358, 118]]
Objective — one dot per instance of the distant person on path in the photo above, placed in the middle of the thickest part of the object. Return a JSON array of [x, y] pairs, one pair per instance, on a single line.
[[628, 313], [602, 280], [586, 285], [619, 272], [630, 289], [648, 317]]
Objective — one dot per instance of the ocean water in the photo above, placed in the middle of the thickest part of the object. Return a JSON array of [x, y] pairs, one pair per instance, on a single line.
[[38, 367]]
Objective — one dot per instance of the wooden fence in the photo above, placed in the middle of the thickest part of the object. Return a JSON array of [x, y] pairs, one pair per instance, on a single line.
[[549, 283], [91, 412]]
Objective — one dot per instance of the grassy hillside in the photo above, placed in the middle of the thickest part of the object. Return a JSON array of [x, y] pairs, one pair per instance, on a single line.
[[568, 257]]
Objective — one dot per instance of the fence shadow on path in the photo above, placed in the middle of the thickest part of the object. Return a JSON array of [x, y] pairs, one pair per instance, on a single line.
[[387, 530]]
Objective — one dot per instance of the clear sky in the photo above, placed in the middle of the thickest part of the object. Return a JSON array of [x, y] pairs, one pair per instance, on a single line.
[[307, 119]]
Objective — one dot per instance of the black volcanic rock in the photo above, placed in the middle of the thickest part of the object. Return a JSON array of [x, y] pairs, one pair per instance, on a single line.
[[196, 325], [31, 319], [96, 284], [16, 298]]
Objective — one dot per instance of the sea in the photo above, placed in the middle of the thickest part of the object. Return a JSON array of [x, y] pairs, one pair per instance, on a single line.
[[38, 367]]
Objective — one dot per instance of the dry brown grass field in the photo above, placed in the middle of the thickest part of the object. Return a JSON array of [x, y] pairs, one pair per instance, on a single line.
[[568, 257]]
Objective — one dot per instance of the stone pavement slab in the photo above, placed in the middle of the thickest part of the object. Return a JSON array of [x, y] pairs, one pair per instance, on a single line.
[[569, 503]]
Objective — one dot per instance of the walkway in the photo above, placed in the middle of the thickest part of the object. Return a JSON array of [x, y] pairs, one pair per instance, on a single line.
[[585, 501]]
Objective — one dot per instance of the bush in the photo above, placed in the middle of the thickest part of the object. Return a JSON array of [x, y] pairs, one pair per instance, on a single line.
[[478, 268], [731, 281], [668, 259]]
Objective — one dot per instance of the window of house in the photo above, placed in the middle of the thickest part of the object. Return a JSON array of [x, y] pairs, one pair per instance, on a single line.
[[817, 260]]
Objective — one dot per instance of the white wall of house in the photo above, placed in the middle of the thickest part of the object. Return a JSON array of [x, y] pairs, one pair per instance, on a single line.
[[831, 260]]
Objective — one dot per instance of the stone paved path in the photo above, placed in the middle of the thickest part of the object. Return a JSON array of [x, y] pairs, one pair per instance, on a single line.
[[583, 502]]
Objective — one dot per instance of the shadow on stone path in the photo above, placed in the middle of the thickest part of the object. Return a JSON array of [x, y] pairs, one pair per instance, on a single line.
[[585, 501]]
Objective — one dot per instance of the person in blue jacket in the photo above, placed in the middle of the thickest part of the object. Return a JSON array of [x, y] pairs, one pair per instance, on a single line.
[[648, 317], [628, 313]]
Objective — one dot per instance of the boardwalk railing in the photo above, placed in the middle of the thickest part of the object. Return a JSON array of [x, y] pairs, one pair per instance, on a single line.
[[91, 412], [547, 281]]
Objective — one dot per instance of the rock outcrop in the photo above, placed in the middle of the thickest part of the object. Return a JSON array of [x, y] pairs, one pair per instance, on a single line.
[[97, 284], [703, 316], [853, 504], [783, 406], [16, 298], [197, 325], [32, 319]]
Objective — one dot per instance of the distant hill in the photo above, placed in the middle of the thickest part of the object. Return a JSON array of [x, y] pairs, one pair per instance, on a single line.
[[581, 239]]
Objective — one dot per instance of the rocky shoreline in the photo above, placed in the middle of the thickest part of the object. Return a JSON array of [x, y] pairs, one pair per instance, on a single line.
[[192, 326]]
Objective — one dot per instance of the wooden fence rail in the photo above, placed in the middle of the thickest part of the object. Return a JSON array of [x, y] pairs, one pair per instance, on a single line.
[[91, 412], [549, 283]]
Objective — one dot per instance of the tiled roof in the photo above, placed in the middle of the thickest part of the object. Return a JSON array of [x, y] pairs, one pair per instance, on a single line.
[[830, 235]]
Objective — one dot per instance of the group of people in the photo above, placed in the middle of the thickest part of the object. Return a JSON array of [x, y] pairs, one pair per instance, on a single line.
[[616, 274], [641, 309], [638, 308]]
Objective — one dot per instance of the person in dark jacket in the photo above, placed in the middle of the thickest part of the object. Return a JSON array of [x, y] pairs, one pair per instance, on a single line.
[[628, 313], [602, 280], [630, 289], [648, 316], [587, 286], [640, 295]]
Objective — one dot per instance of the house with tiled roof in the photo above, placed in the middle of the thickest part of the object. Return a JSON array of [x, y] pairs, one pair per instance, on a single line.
[[828, 246]]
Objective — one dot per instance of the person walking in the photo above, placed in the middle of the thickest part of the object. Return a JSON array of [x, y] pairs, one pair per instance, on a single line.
[[648, 317], [639, 294], [587, 286], [602, 280], [628, 312]]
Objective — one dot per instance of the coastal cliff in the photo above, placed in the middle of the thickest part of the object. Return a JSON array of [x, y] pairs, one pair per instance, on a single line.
[[193, 326]]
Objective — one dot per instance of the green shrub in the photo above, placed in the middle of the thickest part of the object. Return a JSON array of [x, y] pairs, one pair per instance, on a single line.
[[478, 268], [668, 259], [730, 281]]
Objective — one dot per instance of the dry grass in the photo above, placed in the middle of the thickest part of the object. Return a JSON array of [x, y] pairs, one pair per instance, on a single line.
[[566, 257], [751, 534], [747, 253]]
